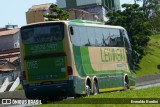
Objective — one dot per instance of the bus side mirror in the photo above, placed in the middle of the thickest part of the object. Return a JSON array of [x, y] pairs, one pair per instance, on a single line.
[[71, 30]]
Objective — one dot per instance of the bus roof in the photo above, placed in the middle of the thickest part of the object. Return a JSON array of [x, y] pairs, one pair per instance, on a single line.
[[92, 23], [80, 22], [87, 22]]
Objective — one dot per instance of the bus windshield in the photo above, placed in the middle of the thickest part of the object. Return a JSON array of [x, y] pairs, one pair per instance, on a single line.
[[41, 33]]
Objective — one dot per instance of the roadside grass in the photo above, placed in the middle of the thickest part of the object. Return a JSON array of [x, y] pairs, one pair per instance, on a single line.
[[99, 100], [148, 65], [20, 87]]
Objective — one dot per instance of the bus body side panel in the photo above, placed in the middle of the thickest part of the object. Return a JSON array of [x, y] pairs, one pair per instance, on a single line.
[[79, 87], [107, 79], [91, 61], [132, 80], [108, 64]]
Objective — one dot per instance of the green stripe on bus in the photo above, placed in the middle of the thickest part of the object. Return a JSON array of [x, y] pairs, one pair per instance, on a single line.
[[78, 61], [83, 64]]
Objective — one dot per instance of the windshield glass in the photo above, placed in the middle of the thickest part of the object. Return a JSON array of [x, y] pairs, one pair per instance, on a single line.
[[41, 33]]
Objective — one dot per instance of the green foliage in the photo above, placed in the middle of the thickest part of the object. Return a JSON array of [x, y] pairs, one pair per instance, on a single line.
[[20, 87], [155, 14], [155, 21], [149, 63], [133, 19], [57, 14], [151, 9]]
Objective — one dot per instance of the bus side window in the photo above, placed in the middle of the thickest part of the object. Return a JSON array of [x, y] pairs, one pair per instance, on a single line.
[[99, 37], [119, 39], [75, 38], [91, 36], [71, 30], [106, 38], [126, 41]]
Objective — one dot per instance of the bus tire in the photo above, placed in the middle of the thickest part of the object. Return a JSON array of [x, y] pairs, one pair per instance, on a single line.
[[126, 86], [88, 90], [95, 88]]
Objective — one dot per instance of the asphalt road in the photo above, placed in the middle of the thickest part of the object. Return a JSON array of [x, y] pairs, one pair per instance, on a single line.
[[147, 86]]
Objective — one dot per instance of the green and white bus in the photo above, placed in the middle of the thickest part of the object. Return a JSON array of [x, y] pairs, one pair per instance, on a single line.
[[77, 57]]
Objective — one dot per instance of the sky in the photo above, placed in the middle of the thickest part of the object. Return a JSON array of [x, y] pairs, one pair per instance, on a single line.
[[13, 11]]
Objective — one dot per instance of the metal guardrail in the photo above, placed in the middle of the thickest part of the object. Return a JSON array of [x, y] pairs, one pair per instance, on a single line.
[[149, 79]]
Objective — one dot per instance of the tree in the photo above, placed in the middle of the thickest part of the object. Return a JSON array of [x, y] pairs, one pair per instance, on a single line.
[[151, 8], [133, 19], [154, 15], [155, 22], [57, 14]]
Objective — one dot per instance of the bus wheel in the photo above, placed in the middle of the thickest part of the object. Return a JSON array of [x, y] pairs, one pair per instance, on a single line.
[[95, 88], [126, 86], [88, 90]]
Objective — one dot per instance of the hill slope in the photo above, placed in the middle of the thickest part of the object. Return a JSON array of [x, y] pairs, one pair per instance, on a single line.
[[149, 63]]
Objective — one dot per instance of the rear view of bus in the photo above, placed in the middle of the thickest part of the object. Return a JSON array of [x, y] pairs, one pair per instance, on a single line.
[[44, 62]]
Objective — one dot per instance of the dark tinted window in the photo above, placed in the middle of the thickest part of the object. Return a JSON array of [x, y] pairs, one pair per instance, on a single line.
[[40, 33], [126, 40], [96, 36], [113, 38]]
